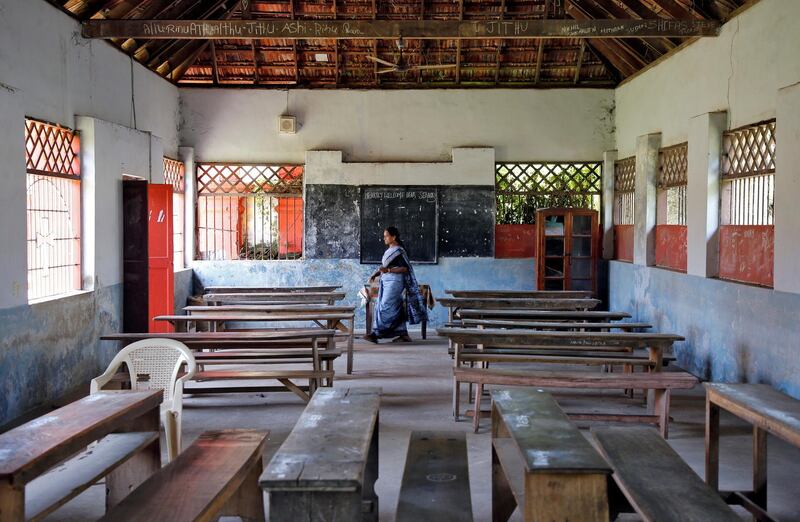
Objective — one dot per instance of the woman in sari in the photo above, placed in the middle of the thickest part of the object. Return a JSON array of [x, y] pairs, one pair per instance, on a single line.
[[396, 282]]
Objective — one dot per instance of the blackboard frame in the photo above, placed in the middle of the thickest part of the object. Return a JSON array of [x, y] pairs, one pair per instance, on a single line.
[[364, 188]]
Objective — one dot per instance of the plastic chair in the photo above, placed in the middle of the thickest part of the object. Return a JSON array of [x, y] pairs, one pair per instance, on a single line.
[[161, 360]]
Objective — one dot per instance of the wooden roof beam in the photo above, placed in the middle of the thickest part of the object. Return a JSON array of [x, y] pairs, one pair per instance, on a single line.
[[677, 10], [393, 29]]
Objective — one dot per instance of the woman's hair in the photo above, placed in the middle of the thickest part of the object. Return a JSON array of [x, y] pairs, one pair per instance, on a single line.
[[396, 234]]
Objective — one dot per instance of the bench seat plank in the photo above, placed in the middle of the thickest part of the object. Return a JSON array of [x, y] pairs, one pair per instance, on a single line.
[[562, 325], [199, 483], [217, 375], [55, 488], [760, 405], [243, 317], [327, 449], [549, 379], [436, 479], [528, 337], [32, 448], [546, 439], [518, 303], [575, 315], [269, 289], [656, 481]]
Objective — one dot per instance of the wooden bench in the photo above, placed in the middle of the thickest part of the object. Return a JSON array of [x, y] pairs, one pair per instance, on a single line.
[[216, 320], [660, 383], [329, 298], [603, 326], [285, 377], [655, 480], [656, 345], [541, 462], [268, 289], [770, 412], [541, 294], [455, 304], [44, 463], [435, 482], [327, 467], [540, 315], [216, 476]]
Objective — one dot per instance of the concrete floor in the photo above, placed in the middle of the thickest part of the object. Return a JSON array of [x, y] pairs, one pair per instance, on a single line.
[[416, 384]]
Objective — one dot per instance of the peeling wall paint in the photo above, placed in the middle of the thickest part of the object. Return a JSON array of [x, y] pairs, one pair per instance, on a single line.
[[52, 347], [734, 332], [478, 273]]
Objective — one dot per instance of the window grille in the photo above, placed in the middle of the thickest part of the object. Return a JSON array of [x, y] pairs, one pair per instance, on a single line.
[[624, 186], [673, 168], [53, 190], [523, 188], [249, 211], [748, 175], [174, 174]]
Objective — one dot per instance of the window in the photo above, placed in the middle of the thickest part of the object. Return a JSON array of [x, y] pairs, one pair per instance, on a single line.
[[249, 211], [624, 194], [523, 188], [747, 177], [174, 173], [673, 168], [53, 172]]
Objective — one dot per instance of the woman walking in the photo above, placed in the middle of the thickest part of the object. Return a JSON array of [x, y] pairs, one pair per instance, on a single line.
[[396, 279]]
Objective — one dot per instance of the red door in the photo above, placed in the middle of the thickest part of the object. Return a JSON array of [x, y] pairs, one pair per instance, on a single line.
[[159, 263]]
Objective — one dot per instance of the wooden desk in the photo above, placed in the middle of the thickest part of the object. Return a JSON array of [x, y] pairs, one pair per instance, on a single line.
[[455, 304], [329, 298], [531, 294], [327, 467], [32, 449], [271, 340], [655, 343], [562, 325], [268, 289], [541, 315], [331, 320], [542, 463], [770, 412]]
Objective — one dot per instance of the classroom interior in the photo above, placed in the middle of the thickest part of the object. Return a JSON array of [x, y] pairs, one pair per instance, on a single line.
[[595, 197]]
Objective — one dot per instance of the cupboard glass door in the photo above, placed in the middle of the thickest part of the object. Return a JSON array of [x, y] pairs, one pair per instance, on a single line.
[[568, 249]]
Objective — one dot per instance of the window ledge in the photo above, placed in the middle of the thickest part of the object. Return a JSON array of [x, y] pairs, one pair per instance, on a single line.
[[42, 300]]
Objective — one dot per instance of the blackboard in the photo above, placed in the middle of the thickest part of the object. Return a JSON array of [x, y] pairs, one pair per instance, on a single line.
[[413, 210], [332, 222], [466, 221]]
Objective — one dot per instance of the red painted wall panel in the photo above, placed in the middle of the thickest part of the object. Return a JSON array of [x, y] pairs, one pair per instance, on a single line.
[[514, 241], [671, 247], [747, 253], [161, 287], [623, 243], [290, 225]]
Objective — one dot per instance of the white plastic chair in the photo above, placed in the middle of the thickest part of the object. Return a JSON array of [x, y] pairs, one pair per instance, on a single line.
[[161, 360]]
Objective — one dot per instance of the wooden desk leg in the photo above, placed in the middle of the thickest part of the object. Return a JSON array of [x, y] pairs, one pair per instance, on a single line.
[[662, 398], [368, 318], [424, 329], [12, 502], [656, 357], [712, 444], [350, 345], [503, 503], [476, 420], [248, 502], [370, 506], [130, 474], [456, 384], [760, 467]]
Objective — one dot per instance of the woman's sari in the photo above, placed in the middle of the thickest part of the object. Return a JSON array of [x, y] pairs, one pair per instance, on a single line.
[[393, 311]]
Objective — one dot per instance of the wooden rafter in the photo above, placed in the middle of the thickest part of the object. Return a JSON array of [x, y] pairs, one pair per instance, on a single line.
[[393, 29], [540, 49], [458, 43], [581, 51], [214, 66]]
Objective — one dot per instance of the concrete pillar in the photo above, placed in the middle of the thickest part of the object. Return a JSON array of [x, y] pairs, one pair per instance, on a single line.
[[86, 126], [787, 191], [702, 193], [13, 255], [644, 230], [186, 155], [156, 160], [609, 158]]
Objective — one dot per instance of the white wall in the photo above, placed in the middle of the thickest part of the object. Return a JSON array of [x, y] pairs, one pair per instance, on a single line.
[[61, 75], [740, 71], [47, 71], [397, 126]]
